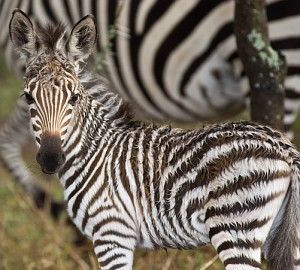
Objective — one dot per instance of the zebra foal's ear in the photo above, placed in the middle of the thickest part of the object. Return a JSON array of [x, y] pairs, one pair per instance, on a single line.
[[22, 33], [82, 39]]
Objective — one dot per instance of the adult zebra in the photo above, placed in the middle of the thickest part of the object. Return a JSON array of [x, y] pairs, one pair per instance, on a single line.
[[129, 185], [154, 61]]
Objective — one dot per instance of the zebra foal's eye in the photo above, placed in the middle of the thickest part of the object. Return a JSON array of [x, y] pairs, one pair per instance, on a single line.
[[73, 99], [29, 98]]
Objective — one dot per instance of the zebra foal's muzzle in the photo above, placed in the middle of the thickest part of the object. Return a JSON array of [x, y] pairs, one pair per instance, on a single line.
[[50, 155]]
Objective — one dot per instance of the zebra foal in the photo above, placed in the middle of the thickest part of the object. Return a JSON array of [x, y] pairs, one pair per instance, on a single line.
[[131, 185]]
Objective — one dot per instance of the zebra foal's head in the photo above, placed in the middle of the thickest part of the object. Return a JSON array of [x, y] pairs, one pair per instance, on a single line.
[[52, 87]]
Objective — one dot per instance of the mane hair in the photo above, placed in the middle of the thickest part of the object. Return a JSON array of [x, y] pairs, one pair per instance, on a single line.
[[50, 35]]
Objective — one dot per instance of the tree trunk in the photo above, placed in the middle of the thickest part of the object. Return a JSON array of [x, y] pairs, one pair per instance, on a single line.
[[265, 68]]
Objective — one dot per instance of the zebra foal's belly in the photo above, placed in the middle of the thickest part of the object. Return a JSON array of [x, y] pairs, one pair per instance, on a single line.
[[181, 230]]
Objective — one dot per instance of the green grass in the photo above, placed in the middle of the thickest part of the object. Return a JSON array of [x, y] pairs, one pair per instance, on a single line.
[[32, 240]]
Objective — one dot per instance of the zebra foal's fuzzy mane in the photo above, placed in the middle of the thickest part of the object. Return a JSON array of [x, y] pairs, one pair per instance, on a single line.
[[51, 35], [101, 90]]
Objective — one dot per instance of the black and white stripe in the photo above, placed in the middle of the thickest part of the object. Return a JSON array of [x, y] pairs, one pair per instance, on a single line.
[[129, 184]]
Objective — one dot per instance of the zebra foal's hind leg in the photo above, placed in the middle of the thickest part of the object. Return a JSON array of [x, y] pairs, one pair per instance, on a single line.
[[237, 249], [13, 135], [239, 219]]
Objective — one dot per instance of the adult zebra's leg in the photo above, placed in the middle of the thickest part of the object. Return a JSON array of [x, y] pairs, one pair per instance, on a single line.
[[13, 135]]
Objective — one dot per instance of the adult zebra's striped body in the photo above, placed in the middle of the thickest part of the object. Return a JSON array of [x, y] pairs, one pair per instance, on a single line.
[[154, 61], [130, 185]]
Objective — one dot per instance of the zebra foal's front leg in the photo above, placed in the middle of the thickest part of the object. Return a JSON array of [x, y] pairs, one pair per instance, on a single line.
[[114, 250]]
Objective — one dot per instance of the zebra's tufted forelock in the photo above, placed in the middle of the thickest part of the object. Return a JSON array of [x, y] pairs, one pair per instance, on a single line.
[[128, 184], [50, 36]]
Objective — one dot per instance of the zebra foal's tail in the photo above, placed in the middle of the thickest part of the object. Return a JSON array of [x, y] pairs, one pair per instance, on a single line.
[[284, 247]]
